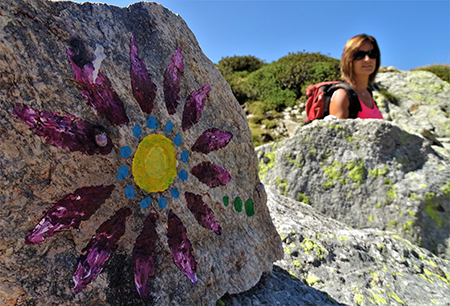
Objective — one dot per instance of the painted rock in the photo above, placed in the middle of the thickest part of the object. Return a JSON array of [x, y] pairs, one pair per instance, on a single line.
[[128, 173]]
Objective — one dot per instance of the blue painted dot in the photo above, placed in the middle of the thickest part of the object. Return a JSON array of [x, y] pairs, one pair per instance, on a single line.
[[122, 173], [175, 193], [125, 151], [146, 202], [137, 131], [182, 175], [129, 192], [162, 202], [169, 127], [152, 123], [184, 156], [177, 139]]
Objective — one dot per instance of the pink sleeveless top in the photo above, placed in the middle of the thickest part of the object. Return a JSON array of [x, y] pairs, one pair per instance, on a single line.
[[369, 113]]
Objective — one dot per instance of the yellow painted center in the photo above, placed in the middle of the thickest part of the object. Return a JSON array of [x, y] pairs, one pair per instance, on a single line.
[[155, 163]]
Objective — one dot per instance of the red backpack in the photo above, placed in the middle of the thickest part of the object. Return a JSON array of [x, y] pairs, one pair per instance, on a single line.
[[319, 96]]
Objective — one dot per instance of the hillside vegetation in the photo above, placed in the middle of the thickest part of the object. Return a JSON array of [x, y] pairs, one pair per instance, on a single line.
[[265, 90], [279, 84], [442, 71]]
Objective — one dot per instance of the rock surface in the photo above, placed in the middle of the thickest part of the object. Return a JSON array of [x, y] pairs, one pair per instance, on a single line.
[[422, 105], [112, 121], [366, 174], [329, 263]]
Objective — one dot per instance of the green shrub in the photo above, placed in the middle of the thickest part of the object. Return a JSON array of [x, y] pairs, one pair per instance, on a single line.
[[442, 71], [385, 69], [270, 124], [256, 108], [228, 65], [263, 86], [256, 119], [302, 69], [256, 140], [279, 84], [388, 96], [237, 82]]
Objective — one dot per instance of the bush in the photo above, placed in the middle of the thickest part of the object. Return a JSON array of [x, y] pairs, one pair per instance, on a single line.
[[257, 141], [237, 82], [270, 124], [302, 69], [228, 65], [279, 84], [256, 119], [388, 96], [442, 71], [387, 69], [256, 108], [262, 85]]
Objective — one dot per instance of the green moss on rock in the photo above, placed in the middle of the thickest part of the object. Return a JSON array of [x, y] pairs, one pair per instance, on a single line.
[[391, 193], [376, 172], [356, 172], [430, 208], [303, 198], [282, 185], [446, 189], [311, 280], [334, 173], [264, 168], [395, 297], [310, 245], [378, 299]]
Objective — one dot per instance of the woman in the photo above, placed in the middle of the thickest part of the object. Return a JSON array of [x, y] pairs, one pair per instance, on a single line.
[[359, 65]]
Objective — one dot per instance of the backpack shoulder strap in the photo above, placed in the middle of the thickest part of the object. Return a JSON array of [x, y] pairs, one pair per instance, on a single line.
[[354, 107]]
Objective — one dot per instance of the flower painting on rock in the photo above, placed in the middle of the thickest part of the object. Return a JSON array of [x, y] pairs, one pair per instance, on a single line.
[[120, 162]]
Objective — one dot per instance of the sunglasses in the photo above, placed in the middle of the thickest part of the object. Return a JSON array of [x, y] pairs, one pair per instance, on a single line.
[[362, 54]]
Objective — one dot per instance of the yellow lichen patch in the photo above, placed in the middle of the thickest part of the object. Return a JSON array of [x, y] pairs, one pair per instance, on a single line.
[[155, 163]]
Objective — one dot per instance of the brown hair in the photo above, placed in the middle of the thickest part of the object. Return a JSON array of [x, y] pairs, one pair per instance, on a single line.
[[348, 54]]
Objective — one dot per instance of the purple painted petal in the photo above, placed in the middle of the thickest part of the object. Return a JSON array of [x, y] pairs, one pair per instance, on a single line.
[[143, 255], [69, 212], [65, 131], [211, 174], [181, 248], [172, 81], [194, 107], [99, 92], [212, 140], [202, 213], [99, 249], [144, 90]]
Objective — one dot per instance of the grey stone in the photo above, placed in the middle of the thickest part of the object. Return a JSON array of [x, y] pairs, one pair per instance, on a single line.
[[36, 72], [423, 99], [366, 174], [328, 263]]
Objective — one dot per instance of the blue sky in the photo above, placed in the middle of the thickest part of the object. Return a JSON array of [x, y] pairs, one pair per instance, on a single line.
[[410, 34]]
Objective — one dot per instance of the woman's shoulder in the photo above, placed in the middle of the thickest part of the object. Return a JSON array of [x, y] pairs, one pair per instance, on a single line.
[[339, 104], [339, 96]]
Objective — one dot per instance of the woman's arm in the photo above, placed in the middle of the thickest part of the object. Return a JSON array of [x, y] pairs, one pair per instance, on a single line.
[[339, 104]]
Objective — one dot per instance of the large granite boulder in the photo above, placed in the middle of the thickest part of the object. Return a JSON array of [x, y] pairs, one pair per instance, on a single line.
[[366, 174], [328, 263], [128, 175], [422, 104]]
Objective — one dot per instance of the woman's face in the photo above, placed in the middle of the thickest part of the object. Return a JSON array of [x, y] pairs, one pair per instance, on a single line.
[[364, 65]]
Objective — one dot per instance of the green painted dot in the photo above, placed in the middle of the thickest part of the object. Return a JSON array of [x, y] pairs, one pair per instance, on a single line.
[[226, 201], [249, 207], [238, 204]]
